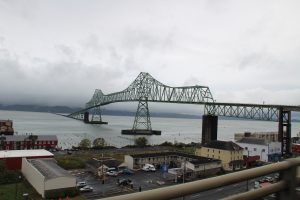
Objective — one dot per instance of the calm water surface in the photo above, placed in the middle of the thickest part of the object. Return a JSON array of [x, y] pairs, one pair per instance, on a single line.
[[70, 131]]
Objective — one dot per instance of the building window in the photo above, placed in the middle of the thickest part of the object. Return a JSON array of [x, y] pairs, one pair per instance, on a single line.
[[213, 150], [263, 150], [207, 150], [246, 148], [213, 156], [219, 151], [254, 149]]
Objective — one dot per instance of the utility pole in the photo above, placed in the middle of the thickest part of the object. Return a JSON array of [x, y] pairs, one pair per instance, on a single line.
[[102, 168], [183, 176], [247, 168]]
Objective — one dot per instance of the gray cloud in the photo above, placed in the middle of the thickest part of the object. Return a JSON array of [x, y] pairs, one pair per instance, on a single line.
[[245, 52]]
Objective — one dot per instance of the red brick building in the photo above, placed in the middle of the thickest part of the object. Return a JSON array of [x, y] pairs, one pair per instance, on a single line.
[[20, 142], [296, 149], [13, 158]]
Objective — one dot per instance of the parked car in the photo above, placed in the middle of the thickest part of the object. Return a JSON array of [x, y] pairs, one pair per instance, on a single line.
[[111, 169], [125, 182], [127, 171], [86, 188], [149, 168], [112, 173], [81, 184]]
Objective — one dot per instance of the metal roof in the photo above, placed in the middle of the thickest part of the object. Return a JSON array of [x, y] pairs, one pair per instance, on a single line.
[[49, 168], [193, 158], [224, 145], [253, 140], [27, 137], [24, 153]]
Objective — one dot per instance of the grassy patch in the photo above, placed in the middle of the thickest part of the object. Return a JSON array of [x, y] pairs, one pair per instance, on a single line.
[[11, 191], [71, 162]]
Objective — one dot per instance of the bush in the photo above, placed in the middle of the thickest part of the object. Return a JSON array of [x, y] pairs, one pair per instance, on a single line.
[[167, 144], [141, 141], [85, 143], [54, 194], [70, 163]]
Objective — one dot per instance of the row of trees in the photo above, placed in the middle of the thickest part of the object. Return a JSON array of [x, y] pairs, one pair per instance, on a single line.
[[100, 143], [97, 143], [138, 142]]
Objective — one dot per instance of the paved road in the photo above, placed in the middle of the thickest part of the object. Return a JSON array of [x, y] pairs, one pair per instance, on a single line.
[[221, 192], [149, 180]]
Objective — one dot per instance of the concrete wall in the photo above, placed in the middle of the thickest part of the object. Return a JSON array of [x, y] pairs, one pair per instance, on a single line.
[[129, 161], [33, 176], [61, 182], [261, 150]]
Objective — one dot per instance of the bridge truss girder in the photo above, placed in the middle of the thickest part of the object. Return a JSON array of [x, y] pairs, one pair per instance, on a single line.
[[276, 113], [146, 86], [246, 111]]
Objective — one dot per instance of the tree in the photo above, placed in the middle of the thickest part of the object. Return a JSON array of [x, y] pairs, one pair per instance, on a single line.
[[99, 142], [85, 143], [141, 141], [33, 139], [2, 140]]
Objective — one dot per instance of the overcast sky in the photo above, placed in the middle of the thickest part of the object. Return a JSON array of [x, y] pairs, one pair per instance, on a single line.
[[56, 52]]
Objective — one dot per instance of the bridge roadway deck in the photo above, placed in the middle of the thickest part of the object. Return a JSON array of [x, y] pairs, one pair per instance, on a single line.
[[277, 106]]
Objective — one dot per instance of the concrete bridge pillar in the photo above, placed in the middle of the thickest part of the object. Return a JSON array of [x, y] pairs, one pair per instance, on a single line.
[[86, 117], [284, 132], [209, 128]]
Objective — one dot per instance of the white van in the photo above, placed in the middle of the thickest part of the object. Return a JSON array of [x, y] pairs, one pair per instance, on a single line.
[[149, 168]]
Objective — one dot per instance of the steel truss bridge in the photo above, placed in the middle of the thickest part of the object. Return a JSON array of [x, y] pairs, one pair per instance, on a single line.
[[146, 89]]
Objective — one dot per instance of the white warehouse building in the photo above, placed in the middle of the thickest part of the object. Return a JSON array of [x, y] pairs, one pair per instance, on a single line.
[[267, 151], [48, 179]]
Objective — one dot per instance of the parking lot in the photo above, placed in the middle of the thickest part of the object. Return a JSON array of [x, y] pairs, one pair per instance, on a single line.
[[140, 179]]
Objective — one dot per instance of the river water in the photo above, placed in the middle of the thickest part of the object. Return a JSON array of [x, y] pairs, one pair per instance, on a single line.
[[70, 131]]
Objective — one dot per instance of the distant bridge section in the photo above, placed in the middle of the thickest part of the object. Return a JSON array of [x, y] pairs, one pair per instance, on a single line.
[[262, 112], [146, 86]]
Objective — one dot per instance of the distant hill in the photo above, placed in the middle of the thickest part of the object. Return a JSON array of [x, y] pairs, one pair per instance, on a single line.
[[37, 108], [66, 109]]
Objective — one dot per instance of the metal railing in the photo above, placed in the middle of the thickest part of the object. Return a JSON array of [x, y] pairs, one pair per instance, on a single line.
[[285, 188]]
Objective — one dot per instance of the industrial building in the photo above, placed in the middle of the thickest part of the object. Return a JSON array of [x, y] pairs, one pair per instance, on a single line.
[[13, 158], [228, 152], [20, 142], [48, 179], [100, 166], [266, 151], [268, 136]]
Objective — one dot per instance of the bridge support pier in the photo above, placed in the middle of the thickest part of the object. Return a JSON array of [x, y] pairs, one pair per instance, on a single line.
[[209, 128], [86, 117], [284, 132], [142, 123], [96, 117]]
